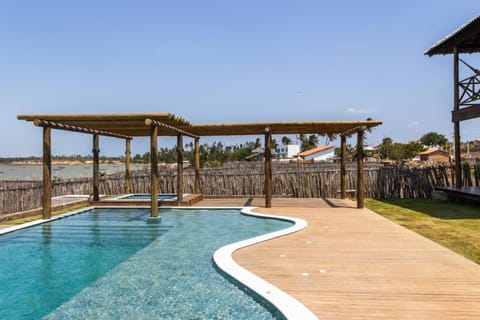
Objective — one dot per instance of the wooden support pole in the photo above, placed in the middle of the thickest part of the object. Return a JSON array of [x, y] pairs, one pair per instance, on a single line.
[[96, 167], [197, 166], [154, 171], [456, 124], [360, 181], [343, 165], [268, 168], [47, 174], [179, 168], [128, 184]]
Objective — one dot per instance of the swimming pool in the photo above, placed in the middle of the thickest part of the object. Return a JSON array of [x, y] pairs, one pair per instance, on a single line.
[[109, 263]]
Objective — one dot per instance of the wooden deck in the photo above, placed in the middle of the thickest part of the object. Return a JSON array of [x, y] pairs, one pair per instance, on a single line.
[[354, 264], [470, 193]]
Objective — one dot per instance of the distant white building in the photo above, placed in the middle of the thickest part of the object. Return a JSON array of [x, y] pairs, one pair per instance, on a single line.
[[287, 151], [321, 153]]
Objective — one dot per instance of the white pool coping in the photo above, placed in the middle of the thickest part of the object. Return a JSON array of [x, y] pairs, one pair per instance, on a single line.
[[290, 307]]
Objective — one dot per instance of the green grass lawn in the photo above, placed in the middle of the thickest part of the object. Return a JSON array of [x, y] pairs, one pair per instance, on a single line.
[[455, 226]]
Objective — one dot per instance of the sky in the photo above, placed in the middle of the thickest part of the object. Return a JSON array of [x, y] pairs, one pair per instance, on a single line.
[[227, 61]]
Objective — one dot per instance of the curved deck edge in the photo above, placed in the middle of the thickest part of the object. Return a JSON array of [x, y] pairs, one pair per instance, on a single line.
[[290, 307]]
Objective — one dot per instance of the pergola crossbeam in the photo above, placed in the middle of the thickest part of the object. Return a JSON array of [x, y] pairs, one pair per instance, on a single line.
[[352, 131], [69, 127], [152, 122]]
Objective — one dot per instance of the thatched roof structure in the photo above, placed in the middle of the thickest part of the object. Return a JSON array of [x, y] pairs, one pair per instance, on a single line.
[[466, 39]]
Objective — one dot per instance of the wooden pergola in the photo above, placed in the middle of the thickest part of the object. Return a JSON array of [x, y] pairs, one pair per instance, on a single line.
[[466, 92], [127, 126]]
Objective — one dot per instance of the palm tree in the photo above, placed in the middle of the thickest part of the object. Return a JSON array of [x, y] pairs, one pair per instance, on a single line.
[[309, 142], [286, 140], [274, 144], [329, 137]]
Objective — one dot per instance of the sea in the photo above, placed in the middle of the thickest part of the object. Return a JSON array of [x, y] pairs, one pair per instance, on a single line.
[[35, 172]]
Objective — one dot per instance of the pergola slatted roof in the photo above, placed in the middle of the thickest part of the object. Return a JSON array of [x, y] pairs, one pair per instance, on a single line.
[[129, 125], [135, 125], [319, 127], [466, 39]]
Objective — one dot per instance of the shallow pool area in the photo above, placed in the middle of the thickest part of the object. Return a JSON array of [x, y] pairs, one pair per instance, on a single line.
[[108, 263]]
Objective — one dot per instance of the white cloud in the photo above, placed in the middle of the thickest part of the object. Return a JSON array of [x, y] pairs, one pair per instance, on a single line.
[[358, 111], [413, 123]]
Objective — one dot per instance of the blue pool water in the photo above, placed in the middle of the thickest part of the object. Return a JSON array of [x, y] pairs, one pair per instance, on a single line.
[[111, 264]]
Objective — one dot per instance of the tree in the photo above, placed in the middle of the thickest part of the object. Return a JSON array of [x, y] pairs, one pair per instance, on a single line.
[[274, 144], [258, 143], [329, 137], [434, 139], [309, 142], [398, 151], [286, 140], [385, 148]]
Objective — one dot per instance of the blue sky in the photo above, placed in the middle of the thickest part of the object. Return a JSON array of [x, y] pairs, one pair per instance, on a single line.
[[227, 61]]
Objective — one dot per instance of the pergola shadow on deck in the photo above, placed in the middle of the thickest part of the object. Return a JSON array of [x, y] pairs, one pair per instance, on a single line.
[[127, 126]]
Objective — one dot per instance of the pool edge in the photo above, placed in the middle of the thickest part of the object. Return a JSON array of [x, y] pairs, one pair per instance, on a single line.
[[290, 307]]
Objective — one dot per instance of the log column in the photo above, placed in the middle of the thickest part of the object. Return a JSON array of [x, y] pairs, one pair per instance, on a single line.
[[47, 174], [154, 171], [360, 181], [456, 123], [343, 165], [197, 166], [268, 168], [128, 188], [179, 168], [96, 168]]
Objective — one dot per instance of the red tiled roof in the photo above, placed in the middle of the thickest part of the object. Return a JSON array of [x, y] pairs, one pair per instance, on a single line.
[[314, 150]]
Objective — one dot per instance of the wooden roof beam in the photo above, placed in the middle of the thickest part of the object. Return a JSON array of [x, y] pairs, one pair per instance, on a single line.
[[467, 113], [68, 127], [353, 131], [151, 122]]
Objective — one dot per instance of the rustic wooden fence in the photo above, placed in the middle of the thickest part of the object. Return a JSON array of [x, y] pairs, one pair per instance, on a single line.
[[301, 181]]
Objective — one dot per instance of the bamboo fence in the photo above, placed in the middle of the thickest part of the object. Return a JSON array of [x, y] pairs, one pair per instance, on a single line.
[[247, 179]]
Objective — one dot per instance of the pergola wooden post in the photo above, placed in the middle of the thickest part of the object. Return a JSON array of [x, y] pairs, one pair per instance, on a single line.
[[197, 166], [456, 123], [360, 181], [343, 165], [47, 174], [96, 167], [154, 170], [268, 168], [179, 168], [128, 184]]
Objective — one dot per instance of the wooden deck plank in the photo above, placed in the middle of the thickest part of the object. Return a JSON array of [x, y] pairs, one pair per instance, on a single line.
[[354, 264], [472, 193]]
